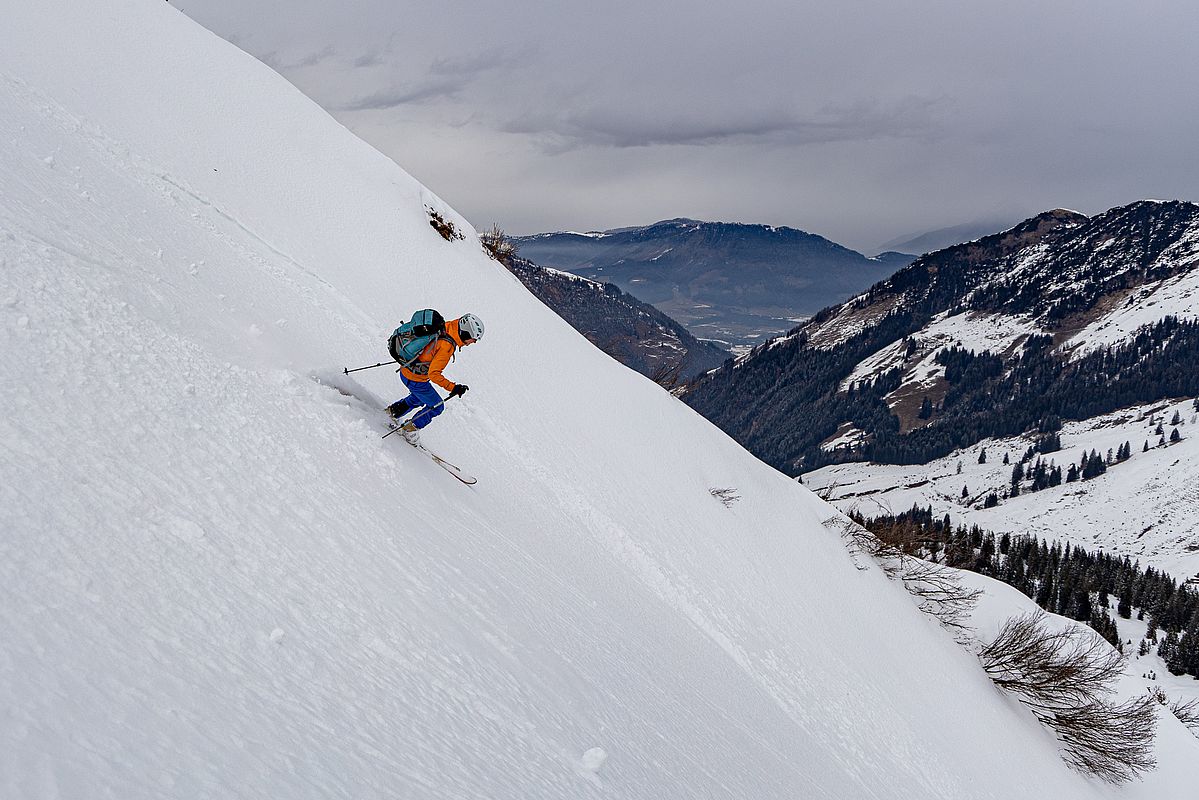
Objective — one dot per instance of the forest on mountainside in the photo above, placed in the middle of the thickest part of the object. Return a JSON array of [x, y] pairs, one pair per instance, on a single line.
[[797, 405], [1080, 584], [1051, 275]]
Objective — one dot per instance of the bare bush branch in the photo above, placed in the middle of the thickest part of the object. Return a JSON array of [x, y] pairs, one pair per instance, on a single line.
[[941, 593], [1187, 711], [668, 375], [1053, 668], [498, 245], [849, 531], [1065, 678], [1113, 742], [726, 496]]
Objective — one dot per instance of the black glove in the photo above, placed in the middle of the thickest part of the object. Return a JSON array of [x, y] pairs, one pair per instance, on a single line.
[[458, 390]]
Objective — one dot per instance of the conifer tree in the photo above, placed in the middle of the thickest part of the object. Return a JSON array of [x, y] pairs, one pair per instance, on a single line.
[[1186, 655], [1168, 648], [926, 408], [1045, 592], [1124, 607]]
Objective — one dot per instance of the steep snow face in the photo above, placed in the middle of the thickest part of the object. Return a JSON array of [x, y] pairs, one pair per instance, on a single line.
[[217, 580]]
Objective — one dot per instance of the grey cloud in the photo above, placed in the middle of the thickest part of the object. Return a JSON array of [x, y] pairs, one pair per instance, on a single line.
[[605, 127], [367, 60], [485, 61], [312, 59], [446, 78], [860, 121], [405, 95]]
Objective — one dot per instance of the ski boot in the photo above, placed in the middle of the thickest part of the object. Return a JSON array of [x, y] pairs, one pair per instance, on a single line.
[[411, 434], [398, 409]]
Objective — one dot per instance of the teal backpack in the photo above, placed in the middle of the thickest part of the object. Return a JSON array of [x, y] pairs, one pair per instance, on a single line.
[[409, 340]]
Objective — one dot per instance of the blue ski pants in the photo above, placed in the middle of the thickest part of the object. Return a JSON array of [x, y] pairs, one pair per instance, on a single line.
[[423, 394]]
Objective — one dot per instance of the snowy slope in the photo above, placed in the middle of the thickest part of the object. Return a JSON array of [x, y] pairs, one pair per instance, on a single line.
[[1108, 262], [999, 602], [216, 580], [1143, 508], [1176, 296]]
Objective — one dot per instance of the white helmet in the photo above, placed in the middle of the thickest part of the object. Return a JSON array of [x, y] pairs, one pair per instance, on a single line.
[[471, 327]]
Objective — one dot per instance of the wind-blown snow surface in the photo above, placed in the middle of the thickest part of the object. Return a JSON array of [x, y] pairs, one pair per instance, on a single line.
[[216, 580]]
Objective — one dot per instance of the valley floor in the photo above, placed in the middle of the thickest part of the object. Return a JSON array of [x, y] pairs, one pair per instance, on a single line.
[[1144, 508]]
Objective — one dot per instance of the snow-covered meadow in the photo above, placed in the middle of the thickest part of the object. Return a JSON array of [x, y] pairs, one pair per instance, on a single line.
[[1143, 507]]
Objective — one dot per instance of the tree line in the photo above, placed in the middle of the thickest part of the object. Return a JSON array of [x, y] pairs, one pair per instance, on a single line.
[[1084, 585]]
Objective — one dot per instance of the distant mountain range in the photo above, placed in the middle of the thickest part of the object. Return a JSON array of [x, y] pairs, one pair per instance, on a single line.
[[1062, 317], [634, 333], [941, 238], [735, 284]]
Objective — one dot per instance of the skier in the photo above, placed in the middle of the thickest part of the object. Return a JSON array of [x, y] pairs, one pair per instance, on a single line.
[[427, 368]]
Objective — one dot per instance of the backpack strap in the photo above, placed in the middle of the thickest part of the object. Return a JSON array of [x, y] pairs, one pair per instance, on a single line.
[[417, 367]]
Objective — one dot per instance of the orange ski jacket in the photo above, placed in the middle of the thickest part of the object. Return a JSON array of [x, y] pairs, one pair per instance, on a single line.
[[434, 358]]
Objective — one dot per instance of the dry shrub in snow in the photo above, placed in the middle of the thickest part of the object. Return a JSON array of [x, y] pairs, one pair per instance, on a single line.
[[941, 593], [498, 245], [445, 227], [726, 496], [1187, 711], [668, 374], [1065, 677]]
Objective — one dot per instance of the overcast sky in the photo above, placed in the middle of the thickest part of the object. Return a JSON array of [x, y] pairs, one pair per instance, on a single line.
[[860, 120]]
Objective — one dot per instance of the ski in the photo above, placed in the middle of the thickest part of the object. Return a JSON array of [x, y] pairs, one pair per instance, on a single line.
[[453, 469]]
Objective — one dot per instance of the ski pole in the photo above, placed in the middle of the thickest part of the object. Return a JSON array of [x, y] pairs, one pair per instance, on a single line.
[[346, 371], [422, 408]]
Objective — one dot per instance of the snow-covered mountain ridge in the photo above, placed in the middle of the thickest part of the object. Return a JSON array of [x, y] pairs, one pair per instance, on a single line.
[[1060, 270], [1063, 317], [216, 580]]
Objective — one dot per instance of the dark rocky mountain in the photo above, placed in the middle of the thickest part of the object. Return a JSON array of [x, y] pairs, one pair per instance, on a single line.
[[1061, 317], [735, 284], [634, 333]]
